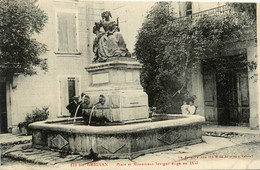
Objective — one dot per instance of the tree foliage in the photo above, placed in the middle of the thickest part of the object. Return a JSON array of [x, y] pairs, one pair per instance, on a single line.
[[19, 51], [170, 48]]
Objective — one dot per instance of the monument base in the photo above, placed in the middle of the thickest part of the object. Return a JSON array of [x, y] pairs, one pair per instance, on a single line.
[[118, 82]]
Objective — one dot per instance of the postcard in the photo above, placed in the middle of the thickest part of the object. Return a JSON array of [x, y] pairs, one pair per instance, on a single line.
[[129, 85]]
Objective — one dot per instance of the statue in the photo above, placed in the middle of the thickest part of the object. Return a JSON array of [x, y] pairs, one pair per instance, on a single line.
[[108, 43]]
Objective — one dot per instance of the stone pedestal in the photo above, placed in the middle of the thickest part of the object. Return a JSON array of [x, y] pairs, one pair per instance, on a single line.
[[118, 80]]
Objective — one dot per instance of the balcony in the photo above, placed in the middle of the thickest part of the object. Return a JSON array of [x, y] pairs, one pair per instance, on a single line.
[[211, 12]]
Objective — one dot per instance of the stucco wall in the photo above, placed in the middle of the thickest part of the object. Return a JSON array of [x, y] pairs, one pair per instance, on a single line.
[[43, 89]]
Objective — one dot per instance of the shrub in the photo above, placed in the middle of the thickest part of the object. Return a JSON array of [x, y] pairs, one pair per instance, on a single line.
[[36, 115]]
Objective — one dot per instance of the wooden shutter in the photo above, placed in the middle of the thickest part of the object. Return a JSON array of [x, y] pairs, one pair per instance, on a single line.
[[243, 81], [64, 98], [210, 109], [67, 32], [209, 89], [72, 32], [243, 99], [77, 90], [62, 33]]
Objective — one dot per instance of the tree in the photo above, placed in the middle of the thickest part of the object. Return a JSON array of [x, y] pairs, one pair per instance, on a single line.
[[149, 46], [170, 48], [19, 51], [249, 8]]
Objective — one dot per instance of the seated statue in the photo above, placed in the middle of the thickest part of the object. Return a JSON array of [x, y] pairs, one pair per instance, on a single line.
[[108, 42]]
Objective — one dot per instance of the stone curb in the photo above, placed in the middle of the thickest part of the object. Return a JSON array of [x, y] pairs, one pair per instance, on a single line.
[[16, 142], [220, 134], [25, 152]]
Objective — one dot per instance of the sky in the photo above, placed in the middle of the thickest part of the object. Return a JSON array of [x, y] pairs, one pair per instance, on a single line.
[[131, 16]]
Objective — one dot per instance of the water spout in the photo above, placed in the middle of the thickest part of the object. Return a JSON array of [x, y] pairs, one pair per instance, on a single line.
[[82, 100], [92, 110], [76, 114]]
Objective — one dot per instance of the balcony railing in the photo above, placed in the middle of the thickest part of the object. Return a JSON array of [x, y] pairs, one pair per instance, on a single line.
[[214, 11]]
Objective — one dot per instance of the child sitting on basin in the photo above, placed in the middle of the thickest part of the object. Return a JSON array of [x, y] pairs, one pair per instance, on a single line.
[[191, 108], [184, 108]]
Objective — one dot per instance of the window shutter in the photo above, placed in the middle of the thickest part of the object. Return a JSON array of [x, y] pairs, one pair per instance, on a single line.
[[77, 86], [209, 89], [62, 32], [64, 98], [243, 81], [67, 32], [72, 31]]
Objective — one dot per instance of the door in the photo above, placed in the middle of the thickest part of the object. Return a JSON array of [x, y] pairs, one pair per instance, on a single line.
[[227, 98], [243, 99], [233, 99], [3, 112], [210, 102]]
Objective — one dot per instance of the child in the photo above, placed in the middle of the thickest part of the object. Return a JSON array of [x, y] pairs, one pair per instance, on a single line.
[[184, 108], [191, 108]]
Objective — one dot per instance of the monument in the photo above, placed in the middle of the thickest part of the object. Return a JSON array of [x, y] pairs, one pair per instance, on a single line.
[[115, 122], [115, 76]]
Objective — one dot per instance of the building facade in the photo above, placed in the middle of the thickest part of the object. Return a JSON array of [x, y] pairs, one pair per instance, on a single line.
[[234, 99], [68, 36]]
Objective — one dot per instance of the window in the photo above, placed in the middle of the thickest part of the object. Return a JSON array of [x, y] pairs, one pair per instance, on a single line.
[[67, 32], [69, 87], [188, 8]]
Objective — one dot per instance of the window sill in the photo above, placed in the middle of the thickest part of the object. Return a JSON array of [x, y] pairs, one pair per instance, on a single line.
[[63, 116], [67, 53]]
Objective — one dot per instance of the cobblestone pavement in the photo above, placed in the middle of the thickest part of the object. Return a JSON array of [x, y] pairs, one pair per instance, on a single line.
[[229, 129], [241, 156], [197, 156], [9, 139]]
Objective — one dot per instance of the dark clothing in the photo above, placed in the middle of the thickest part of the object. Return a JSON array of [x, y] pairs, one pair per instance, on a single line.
[[72, 107]]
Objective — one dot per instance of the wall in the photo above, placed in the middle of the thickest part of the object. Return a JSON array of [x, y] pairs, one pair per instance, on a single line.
[[253, 90], [179, 7], [43, 89], [196, 85], [202, 6], [197, 89]]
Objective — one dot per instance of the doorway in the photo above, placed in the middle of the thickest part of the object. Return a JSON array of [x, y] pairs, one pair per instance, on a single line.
[[3, 110], [226, 91], [233, 99]]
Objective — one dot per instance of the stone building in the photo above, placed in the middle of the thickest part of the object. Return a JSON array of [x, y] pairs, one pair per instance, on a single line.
[[68, 35], [234, 100]]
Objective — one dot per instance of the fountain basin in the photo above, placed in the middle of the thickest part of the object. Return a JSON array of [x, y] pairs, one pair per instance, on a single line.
[[118, 141]]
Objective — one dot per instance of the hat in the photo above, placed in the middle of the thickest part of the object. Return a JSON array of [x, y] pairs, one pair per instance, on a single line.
[[75, 97]]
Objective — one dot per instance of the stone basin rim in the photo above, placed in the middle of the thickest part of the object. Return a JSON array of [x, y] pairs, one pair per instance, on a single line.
[[115, 129]]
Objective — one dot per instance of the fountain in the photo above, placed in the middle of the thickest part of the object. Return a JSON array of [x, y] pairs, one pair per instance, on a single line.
[[116, 122]]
